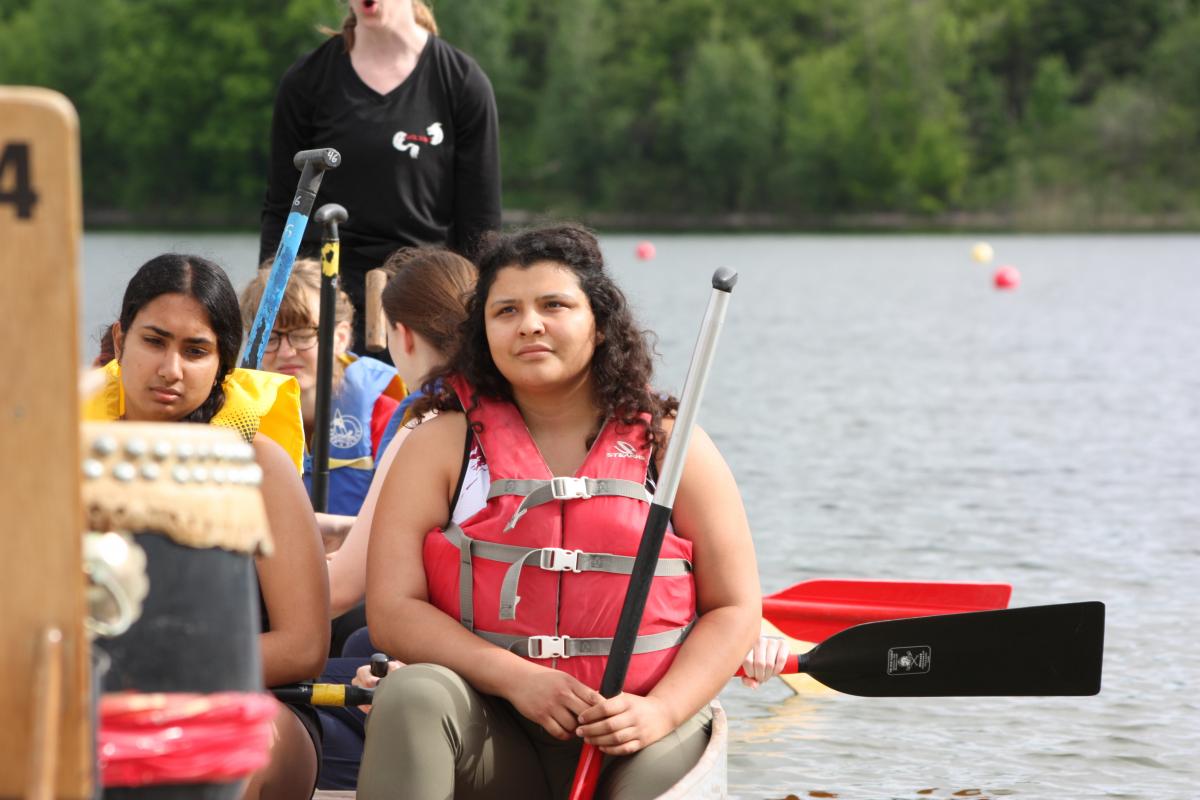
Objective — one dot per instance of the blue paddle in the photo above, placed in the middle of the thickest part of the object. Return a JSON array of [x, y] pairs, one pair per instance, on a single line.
[[312, 165]]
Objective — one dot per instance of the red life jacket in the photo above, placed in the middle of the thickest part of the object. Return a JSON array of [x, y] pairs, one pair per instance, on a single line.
[[543, 568]]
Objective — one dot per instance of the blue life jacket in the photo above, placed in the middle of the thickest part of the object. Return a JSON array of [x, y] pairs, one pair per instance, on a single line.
[[351, 457]]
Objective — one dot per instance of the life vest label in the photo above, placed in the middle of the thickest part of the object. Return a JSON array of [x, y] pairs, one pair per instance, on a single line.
[[623, 449]]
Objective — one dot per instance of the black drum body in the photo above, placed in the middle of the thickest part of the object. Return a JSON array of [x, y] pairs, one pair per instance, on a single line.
[[198, 633], [189, 496]]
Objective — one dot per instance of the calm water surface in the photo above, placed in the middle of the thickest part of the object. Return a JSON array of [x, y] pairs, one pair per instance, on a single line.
[[889, 415]]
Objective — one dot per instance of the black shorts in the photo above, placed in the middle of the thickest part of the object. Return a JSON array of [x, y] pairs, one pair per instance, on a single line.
[[308, 718]]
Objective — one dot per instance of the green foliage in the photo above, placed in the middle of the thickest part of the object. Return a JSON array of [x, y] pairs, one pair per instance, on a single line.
[[1071, 111], [728, 104]]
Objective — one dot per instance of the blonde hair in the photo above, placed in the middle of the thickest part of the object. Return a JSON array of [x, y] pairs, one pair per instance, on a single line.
[[422, 13], [294, 309]]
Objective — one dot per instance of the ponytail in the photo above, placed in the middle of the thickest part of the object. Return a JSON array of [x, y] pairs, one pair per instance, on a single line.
[[424, 16]]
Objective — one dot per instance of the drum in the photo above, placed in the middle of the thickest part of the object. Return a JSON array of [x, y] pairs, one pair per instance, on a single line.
[[189, 496]]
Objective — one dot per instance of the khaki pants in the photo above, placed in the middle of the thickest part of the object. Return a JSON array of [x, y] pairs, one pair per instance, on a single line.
[[430, 736]]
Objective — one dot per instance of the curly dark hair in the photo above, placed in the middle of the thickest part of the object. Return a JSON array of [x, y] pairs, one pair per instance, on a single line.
[[622, 363]]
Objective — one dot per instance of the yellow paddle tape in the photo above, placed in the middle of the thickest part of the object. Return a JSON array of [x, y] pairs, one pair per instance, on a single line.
[[330, 255], [329, 694]]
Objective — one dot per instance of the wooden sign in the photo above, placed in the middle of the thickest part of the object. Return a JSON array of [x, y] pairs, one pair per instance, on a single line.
[[45, 730]]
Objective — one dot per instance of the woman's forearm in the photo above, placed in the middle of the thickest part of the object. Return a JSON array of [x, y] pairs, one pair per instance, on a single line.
[[346, 587], [707, 660]]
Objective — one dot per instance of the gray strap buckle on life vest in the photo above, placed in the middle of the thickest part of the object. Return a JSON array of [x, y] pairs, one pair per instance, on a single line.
[[548, 646], [551, 559], [539, 492], [541, 647], [556, 559]]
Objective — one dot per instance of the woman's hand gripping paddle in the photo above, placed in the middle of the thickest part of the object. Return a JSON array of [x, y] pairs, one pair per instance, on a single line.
[[328, 216], [588, 771], [312, 165]]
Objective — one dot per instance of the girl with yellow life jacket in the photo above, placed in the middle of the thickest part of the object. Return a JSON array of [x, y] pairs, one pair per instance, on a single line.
[[504, 536], [176, 343]]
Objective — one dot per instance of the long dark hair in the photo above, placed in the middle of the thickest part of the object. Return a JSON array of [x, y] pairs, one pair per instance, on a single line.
[[207, 284], [622, 364]]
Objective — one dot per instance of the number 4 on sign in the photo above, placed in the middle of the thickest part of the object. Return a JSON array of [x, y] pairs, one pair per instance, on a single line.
[[15, 184]]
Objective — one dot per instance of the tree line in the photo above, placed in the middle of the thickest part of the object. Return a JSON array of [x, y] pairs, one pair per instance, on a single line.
[[789, 113]]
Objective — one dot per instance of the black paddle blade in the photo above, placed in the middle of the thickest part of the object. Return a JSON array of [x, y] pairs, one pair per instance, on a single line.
[[1040, 650]]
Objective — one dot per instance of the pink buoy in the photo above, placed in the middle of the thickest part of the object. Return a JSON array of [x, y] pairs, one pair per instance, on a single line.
[[644, 251], [1006, 277]]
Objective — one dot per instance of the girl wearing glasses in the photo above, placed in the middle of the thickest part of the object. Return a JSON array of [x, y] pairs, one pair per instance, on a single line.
[[365, 390]]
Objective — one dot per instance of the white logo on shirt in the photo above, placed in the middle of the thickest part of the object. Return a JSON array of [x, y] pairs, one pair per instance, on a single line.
[[411, 142]]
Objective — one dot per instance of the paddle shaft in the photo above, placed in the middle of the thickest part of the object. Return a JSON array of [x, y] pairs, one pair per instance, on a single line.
[[324, 694], [329, 215], [587, 773], [312, 165]]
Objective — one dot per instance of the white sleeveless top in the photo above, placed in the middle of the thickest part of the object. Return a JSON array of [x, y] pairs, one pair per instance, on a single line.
[[476, 483]]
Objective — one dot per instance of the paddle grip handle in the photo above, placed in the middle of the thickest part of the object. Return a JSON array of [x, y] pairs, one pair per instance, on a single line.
[[329, 216], [321, 158], [379, 665], [724, 279]]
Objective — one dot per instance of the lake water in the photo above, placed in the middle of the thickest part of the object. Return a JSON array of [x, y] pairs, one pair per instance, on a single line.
[[888, 414]]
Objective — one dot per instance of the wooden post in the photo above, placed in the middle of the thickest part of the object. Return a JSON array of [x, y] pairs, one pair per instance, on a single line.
[[376, 325], [41, 578]]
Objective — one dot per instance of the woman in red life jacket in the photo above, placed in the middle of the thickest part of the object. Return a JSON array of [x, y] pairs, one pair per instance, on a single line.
[[504, 537]]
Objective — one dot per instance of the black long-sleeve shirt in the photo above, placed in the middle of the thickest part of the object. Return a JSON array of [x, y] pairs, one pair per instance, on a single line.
[[420, 165]]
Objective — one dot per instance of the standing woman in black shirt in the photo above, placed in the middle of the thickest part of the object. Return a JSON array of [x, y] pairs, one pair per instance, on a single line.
[[415, 121]]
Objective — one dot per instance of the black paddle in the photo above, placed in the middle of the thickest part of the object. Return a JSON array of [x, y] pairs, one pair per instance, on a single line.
[[323, 694], [587, 772], [1040, 650], [332, 694], [328, 216]]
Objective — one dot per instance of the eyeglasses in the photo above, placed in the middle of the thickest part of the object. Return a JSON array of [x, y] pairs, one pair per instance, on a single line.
[[299, 339]]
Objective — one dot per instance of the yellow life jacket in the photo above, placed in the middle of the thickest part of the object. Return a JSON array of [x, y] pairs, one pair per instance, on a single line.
[[255, 402]]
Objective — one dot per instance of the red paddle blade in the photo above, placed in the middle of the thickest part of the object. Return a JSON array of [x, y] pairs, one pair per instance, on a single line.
[[815, 610]]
